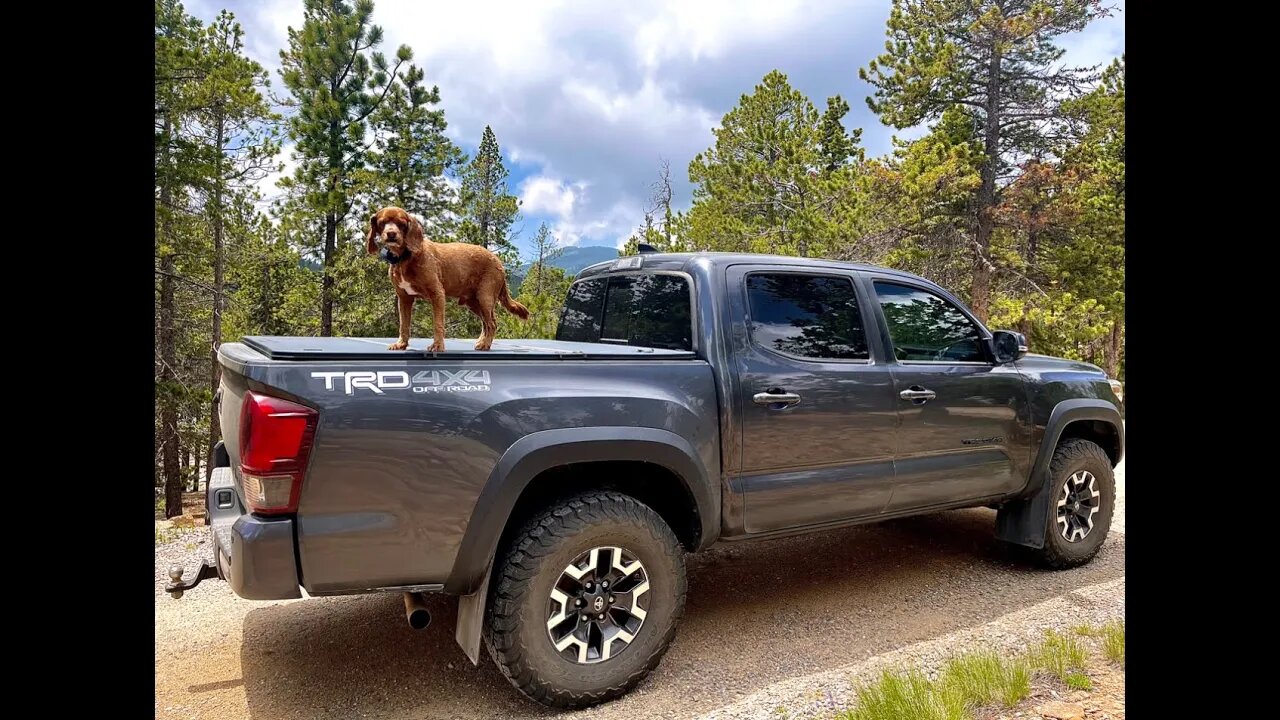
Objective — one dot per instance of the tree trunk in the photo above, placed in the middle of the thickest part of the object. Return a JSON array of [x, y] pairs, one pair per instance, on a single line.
[[218, 279], [326, 289], [541, 255], [980, 290], [168, 361], [1113, 349]]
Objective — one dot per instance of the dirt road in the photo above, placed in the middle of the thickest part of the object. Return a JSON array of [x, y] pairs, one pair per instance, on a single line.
[[757, 613]]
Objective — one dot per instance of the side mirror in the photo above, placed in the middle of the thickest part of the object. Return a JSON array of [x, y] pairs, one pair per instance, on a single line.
[[1008, 346]]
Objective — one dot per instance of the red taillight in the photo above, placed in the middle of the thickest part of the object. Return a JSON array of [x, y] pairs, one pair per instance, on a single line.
[[275, 440]]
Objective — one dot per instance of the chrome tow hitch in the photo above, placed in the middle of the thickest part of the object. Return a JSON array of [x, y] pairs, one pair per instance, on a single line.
[[177, 586]]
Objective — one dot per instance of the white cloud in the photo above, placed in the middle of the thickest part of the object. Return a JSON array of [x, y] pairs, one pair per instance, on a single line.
[[1100, 44], [611, 227], [548, 196], [562, 202]]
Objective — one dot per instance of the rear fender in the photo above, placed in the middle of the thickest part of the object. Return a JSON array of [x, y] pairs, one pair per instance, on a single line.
[[542, 451]]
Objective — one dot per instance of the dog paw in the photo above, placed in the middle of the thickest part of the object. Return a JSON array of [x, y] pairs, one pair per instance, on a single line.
[[483, 345], [398, 346], [436, 348]]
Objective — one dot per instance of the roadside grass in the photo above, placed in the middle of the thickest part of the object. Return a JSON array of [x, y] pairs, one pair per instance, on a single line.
[[907, 695], [1113, 642], [1062, 656], [985, 678], [165, 535]]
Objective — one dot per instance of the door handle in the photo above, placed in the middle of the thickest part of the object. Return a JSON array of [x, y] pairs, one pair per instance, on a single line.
[[917, 394], [776, 398]]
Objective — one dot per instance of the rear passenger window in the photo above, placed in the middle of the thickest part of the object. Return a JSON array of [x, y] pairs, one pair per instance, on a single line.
[[580, 319], [809, 316], [648, 310], [644, 310]]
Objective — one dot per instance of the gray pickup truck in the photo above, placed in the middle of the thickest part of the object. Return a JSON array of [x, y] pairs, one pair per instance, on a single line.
[[554, 486]]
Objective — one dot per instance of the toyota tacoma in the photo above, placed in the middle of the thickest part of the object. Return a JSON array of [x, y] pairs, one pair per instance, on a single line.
[[555, 486]]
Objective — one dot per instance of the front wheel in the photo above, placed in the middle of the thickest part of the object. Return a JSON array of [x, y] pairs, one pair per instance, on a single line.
[[1083, 488], [587, 600]]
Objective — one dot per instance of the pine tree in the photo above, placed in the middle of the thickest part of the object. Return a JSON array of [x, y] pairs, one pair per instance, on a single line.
[[337, 83], [178, 68], [488, 210], [239, 137], [761, 187], [996, 59], [839, 147], [414, 154], [1094, 260], [545, 249], [916, 204]]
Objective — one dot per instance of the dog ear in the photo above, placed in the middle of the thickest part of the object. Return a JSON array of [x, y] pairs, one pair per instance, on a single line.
[[370, 243], [414, 236]]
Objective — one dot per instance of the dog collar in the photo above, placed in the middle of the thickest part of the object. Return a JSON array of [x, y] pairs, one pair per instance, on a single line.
[[393, 259]]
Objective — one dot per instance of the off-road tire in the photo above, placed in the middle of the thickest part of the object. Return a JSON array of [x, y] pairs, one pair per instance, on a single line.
[[1072, 456], [516, 629]]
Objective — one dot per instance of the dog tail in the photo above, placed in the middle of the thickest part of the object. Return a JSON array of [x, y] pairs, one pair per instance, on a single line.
[[514, 307]]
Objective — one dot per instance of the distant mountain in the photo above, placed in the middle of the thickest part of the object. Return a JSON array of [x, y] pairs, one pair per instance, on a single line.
[[574, 258]]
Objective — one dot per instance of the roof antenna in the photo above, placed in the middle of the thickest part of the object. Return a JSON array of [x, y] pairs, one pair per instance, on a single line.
[[646, 248]]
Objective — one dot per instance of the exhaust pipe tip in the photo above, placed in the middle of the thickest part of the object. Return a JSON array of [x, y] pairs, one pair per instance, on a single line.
[[415, 611]]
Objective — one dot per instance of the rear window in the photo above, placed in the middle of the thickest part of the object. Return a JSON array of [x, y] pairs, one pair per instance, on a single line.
[[645, 310]]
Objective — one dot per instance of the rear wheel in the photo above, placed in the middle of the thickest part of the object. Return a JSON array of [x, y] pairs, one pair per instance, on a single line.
[[587, 600], [1083, 492]]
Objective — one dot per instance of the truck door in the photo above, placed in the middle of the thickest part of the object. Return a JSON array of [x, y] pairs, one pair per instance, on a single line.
[[816, 412], [963, 430]]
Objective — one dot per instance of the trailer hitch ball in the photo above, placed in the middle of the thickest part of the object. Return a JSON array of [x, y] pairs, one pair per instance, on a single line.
[[175, 578]]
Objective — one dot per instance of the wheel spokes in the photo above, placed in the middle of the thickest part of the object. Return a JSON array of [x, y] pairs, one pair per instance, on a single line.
[[1076, 505], [598, 602]]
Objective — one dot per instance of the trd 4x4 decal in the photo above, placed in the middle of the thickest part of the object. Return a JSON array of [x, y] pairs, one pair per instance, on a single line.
[[425, 381]]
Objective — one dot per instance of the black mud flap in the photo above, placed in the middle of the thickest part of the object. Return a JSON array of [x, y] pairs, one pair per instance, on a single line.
[[471, 619], [1022, 521]]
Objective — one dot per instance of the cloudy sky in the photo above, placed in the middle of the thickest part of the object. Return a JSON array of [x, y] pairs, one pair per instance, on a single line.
[[587, 97]]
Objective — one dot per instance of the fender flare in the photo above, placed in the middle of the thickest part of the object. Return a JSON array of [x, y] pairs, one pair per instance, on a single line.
[[1022, 521], [541, 451]]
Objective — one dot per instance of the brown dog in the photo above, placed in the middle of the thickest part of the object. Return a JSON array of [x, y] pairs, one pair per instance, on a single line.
[[435, 271]]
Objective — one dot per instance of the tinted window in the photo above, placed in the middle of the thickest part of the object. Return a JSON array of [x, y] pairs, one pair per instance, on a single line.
[[645, 310], [923, 326], [648, 310], [811, 316], [580, 320]]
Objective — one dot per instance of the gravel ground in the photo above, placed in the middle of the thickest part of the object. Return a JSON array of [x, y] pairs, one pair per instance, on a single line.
[[772, 623], [816, 695]]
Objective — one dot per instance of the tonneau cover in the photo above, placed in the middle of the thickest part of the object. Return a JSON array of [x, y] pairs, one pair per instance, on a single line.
[[278, 347]]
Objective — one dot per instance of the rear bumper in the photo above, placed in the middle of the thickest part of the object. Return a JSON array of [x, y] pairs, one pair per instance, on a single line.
[[256, 556], [261, 562]]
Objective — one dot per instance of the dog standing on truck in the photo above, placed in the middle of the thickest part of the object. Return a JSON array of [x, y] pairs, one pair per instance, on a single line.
[[420, 268]]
